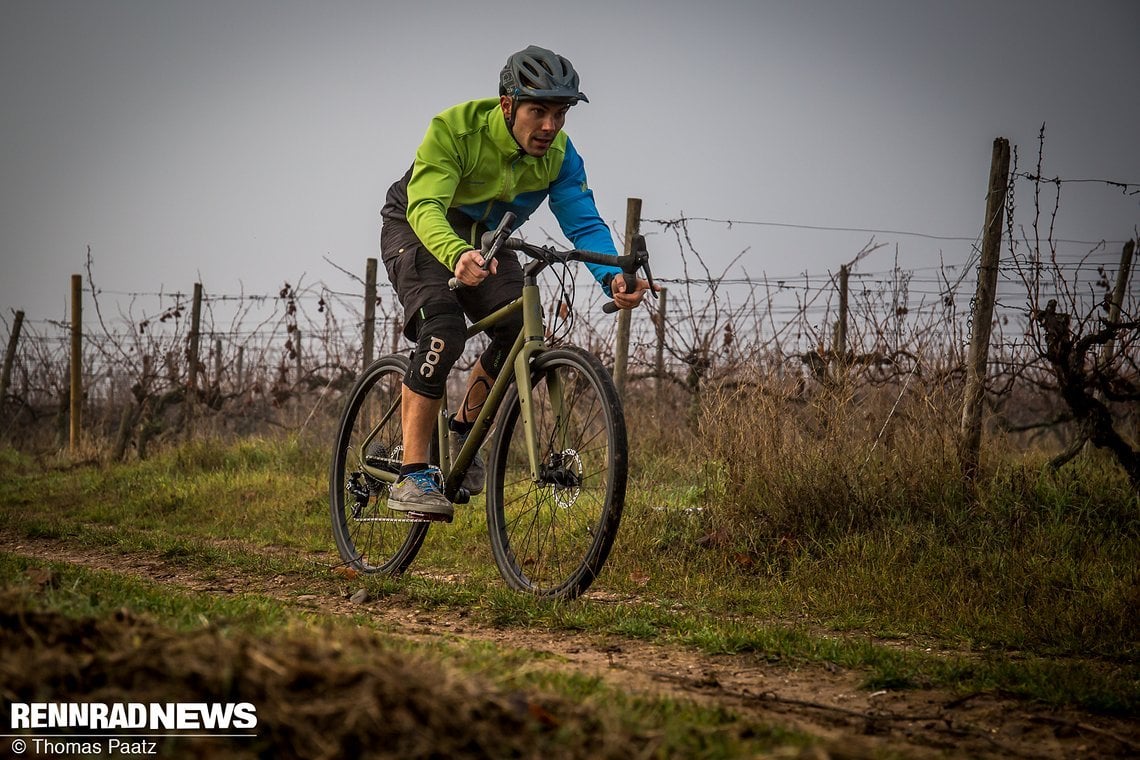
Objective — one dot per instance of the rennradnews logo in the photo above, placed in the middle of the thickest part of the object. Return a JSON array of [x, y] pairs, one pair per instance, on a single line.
[[154, 716]]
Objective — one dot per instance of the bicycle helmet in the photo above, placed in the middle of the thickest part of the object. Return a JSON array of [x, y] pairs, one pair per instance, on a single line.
[[540, 74]]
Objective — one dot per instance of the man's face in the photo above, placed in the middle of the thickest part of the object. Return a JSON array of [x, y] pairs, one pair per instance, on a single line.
[[536, 123]]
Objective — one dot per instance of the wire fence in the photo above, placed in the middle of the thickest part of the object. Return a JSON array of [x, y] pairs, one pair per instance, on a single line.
[[270, 359]]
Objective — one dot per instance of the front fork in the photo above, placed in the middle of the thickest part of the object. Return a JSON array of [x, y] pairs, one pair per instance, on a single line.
[[535, 343]]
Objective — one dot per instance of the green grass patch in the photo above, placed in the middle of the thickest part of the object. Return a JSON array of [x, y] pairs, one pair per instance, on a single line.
[[1033, 580], [79, 592]]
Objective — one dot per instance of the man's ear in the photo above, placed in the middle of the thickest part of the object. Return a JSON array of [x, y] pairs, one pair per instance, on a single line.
[[505, 104]]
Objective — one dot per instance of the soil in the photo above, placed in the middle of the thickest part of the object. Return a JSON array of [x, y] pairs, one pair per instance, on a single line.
[[289, 680]]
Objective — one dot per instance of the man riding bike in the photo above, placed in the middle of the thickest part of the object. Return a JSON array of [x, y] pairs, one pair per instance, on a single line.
[[479, 160]]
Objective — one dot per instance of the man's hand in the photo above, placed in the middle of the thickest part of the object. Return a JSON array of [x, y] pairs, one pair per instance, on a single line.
[[469, 269], [626, 299]]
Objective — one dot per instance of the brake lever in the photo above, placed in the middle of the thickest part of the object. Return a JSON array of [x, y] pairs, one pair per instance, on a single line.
[[642, 254], [500, 235], [649, 279], [638, 259], [490, 247]]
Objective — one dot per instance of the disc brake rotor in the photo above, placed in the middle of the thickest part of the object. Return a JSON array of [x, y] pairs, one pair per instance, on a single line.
[[566, 493]]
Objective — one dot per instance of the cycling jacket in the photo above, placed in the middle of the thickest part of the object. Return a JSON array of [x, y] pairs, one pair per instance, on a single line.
[[469, 171]]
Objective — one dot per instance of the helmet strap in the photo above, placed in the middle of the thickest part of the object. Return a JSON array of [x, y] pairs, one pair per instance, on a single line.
[[514, 113], [511, 123]]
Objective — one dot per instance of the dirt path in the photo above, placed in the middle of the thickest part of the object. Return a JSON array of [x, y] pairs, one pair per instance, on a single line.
[[824, 701]]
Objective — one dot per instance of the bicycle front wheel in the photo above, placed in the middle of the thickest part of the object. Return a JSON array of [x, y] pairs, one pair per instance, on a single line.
[[369, 536], [550, 535]]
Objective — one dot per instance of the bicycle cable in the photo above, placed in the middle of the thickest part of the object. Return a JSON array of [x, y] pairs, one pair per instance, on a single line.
[[562, 321]]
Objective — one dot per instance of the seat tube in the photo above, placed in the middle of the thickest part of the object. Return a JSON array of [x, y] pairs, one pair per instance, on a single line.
[[442, 431]]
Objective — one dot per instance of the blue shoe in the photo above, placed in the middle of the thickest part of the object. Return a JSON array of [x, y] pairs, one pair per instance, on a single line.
[[421, 491]]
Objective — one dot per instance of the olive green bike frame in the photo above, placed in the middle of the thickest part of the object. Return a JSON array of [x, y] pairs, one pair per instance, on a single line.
[[529, 343]]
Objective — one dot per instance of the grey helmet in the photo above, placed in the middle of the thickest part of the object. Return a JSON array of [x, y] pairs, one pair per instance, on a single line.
[[540, 74]]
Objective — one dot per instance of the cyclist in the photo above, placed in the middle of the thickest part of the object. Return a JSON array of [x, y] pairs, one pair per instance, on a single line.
[[477, 161]]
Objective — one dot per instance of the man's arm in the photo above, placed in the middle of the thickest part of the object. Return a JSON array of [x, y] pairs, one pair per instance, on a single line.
[[435, 177], [573, 205]]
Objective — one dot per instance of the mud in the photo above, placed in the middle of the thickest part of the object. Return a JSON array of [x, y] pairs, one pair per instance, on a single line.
[[347, 697]]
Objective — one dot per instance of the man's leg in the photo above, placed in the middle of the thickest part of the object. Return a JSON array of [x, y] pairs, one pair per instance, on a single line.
[[440, 340], [418, 488], [478, 386], [442, 333], [498, 291], [417, 416]]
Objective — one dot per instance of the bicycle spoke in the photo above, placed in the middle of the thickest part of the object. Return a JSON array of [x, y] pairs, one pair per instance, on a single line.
[[369, 536], [551, 537]]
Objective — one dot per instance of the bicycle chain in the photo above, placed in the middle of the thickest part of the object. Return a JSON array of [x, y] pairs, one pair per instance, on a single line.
[[397, 519]]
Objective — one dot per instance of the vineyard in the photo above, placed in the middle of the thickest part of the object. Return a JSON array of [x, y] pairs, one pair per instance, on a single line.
[[800, 564], [1059, 364]]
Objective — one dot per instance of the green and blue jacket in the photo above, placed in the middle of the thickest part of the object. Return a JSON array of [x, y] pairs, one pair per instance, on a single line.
[[469, 171]]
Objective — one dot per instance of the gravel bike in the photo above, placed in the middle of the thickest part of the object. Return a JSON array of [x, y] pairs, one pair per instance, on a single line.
[[556, 461]]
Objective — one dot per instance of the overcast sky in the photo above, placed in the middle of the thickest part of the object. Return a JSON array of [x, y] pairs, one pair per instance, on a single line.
[[244, 142]]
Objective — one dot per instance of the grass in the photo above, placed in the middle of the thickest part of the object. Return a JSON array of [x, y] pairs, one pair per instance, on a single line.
[[79, 592], [780, 541], [674, 728], [888, 538]]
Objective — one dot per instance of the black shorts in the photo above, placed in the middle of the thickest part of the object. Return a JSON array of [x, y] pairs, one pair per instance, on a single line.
[[420, 280]]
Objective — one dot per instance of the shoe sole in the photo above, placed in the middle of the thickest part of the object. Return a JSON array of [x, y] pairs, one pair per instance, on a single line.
[[421, 512], [430, 516], [404, 507]]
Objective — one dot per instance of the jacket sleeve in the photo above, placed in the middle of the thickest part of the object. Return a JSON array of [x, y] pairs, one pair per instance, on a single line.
[[435, 177], [572, 203]]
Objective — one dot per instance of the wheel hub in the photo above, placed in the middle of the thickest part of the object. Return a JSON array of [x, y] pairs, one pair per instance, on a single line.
[[564, 473]]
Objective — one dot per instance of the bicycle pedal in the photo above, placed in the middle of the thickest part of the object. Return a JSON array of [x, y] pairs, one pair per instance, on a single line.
[[429, 517]]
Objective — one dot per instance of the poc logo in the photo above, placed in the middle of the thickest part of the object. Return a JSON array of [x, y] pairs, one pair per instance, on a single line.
[[431, 361]]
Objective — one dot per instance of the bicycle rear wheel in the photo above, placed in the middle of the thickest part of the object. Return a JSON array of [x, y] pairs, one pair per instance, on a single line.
[[369, 536], [550, 537]]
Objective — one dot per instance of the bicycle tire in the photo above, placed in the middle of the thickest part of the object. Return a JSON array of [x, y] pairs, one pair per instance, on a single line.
[[369, 537], [551, 538]]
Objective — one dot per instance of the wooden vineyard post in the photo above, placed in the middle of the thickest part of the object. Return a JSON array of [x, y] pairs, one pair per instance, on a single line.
[[983, 310], [369, 310], [192, 355], [76, 374], [659, 364], [621, 349], [840, 346], [218, 363], [10, 355], [1118, 291]]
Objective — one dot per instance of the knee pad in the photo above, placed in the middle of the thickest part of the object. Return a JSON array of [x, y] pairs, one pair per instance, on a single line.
[[502, 339], [438, 347]]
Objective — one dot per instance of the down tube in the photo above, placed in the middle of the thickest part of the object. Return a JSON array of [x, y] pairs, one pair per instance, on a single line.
[[486, 414]]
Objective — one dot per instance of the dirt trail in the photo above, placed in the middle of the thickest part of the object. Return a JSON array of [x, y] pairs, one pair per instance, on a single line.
[[818, 699]]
